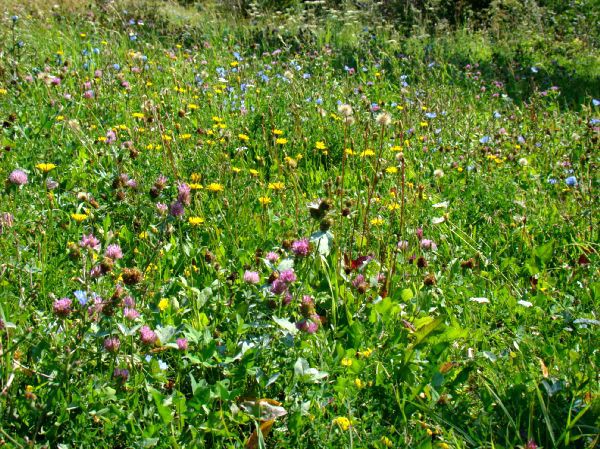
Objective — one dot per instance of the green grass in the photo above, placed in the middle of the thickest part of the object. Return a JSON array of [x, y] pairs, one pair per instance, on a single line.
[[480, 331]]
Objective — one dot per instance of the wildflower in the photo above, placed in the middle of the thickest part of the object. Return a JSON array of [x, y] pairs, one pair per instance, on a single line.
[[342, 422], [251, 277], [287, 276], [377, 221], [131, 276], [195, 221], [402, 245], [346, 362], [45, 168], [384, 119], [215, 187], [367, 153], [162, 209], [90, 242], [176, 209], [272, 257], [130, 313], [148, 336], [163, 304], [366, 353], [113, 252], [571, 181], [121, 374], [183, 194], [438, 173], [308, 326], [386, 441], [320, 146], [391, 170], [182, 344], [278, 287], [18, 177], [62, 307], [277, 132], [243, 137], [428, 245], [345, 110], [301, 247], [112, 344], [359, 383], [281, 141], [276, 186], [264, 200]]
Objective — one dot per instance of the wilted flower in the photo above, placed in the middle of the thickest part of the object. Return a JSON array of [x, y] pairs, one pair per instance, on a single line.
[[384, 119]]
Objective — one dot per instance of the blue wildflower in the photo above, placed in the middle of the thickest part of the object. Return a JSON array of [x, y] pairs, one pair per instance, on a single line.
[[571, 181], [81, 296], [484, 139], [595, 102]]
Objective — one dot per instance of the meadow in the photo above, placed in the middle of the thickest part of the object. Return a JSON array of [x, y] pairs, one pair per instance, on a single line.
[[254, 233]]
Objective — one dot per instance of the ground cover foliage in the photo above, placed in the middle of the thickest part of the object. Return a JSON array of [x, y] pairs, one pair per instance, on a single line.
[[261, 228]]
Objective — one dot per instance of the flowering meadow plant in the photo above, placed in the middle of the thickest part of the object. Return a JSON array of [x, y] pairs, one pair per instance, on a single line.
[[328, 237]]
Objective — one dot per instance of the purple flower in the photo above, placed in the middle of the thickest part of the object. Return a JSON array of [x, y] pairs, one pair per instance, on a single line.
[[18, 177], [147, 335], [113, 252], [89, 241], [110, 137], [308, 326], [88, 94], [182, 344], [288, 276], [419, 233], [251, 277], [162, 209], [111, 344], [183, 194], [62, 307], [177, 209], [96, 272], [278, 287], [272, 256], [121, 374], [131, 314], [402, 245], [359, 279], [301, 247], [128, 301], [428, 245]]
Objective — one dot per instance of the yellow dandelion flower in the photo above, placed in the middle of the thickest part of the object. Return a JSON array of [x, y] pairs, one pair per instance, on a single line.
[[253, 172], [3, 91], [392, 170], [79, 217], [277, 132], [424, 124], [195, 221], [195, 177], [320, 146], [377, 221], [216, 119], [45, 168], [393, 206], [236, 169], [163, 304], [281, 141], [195, 186], [243, 137], [349, 152], [137, 115], [192, 106], [396, 148], [276, 186], [367, 153], [185, 136], [215, 187], [264, 200]]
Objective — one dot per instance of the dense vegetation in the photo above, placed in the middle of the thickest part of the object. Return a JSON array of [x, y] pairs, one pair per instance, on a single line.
[[310, 224]]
